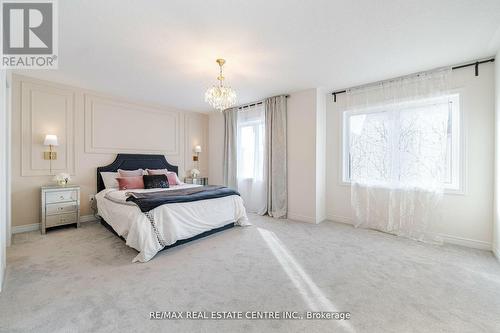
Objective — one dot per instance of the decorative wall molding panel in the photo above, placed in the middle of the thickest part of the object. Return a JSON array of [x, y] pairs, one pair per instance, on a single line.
[[112, 126], [47, 110], [196, 133]]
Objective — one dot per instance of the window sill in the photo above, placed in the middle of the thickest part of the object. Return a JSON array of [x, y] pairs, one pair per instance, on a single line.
[[447, 191]]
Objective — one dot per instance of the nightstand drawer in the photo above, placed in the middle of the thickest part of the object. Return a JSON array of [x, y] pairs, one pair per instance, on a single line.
[[197, 181], [61, 196], [61, 208], [54, 220]]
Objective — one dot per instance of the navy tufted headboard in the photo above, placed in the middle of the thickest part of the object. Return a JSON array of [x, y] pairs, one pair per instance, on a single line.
[[134, 162]]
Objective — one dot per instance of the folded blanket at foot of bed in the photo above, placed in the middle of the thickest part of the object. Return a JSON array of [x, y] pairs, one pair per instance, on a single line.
[[150, 200]]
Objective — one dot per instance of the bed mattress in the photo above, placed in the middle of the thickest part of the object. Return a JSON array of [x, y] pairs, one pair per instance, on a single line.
[[150, 232]]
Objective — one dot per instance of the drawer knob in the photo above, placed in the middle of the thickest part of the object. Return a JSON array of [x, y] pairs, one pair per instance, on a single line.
[[61, 197]]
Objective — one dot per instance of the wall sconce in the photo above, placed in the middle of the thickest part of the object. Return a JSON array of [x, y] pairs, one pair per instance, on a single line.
[[197, 151], [51, 141]]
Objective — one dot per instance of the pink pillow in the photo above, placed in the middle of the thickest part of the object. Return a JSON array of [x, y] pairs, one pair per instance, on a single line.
[[130, 183], [171, 176], [130, 173]]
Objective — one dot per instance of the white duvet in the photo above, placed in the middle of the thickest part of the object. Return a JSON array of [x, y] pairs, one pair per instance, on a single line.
[[166, 224]]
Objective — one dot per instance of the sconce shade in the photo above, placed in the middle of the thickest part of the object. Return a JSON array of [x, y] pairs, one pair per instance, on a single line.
[[197, 149], [50, 140]]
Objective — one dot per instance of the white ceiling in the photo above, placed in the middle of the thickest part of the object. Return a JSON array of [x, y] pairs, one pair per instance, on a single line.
[[164, 51]]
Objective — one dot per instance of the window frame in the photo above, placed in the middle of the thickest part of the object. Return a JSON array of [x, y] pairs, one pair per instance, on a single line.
[[458, 166]]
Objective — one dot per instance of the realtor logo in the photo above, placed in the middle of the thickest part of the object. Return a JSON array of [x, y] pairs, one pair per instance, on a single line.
[[29, 34]]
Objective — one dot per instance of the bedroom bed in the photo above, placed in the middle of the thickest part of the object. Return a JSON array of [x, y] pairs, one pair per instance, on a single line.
[[153, 228]]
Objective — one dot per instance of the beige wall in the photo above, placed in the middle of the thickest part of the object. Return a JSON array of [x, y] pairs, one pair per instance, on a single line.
[[216, 148], [92, 128], [496, 222], [467, 218], [301, 163], [306, 141], [320, 155]]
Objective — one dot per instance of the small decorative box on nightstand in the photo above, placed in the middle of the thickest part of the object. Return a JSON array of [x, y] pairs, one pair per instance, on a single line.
[[198, 181], [60, 205]]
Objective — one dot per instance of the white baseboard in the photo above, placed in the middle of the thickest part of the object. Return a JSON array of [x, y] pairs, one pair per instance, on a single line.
[[448, 239], [496, 252], [467, 242], [87, 218], [300, 218], [36, 226], [25, 228], [340, 219], [3, 271]]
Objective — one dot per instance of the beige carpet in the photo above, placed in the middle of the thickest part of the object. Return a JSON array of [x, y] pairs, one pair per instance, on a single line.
[[83, 280]]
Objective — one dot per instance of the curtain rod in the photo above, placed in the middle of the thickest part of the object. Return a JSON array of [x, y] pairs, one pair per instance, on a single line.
[[475, 64], [249, 105]]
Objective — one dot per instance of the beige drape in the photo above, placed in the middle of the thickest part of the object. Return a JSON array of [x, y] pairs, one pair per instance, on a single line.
[[276, 154], [230, 145]]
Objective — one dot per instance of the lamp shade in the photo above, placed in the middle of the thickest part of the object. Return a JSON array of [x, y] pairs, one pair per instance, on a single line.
[[50, 140], [197, 149]]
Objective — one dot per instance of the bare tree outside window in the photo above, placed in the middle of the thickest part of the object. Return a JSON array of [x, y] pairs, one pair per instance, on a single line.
[[408, 143]]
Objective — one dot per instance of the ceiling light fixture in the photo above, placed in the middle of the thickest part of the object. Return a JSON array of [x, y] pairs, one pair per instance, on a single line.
[[220, 97]]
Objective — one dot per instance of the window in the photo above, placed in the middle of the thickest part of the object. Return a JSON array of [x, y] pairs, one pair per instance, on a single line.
[[412, 143], [251, 149]]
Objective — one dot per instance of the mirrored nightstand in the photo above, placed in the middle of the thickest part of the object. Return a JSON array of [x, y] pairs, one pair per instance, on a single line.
[[60, 205], [198, 181]]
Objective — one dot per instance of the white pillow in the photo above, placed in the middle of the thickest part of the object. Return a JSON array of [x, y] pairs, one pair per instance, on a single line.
[[109, 179]]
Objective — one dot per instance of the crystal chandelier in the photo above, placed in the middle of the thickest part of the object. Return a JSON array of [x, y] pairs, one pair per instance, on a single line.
[[220, 97]]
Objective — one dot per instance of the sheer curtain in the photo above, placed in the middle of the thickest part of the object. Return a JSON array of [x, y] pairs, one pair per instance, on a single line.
[[398, 145], [251, 149]]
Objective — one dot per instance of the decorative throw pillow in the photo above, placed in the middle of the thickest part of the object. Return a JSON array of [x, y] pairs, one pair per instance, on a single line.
[[130, 173], [173, 179], [109, 179], [130, 183], [155, 181], [172, 176]]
